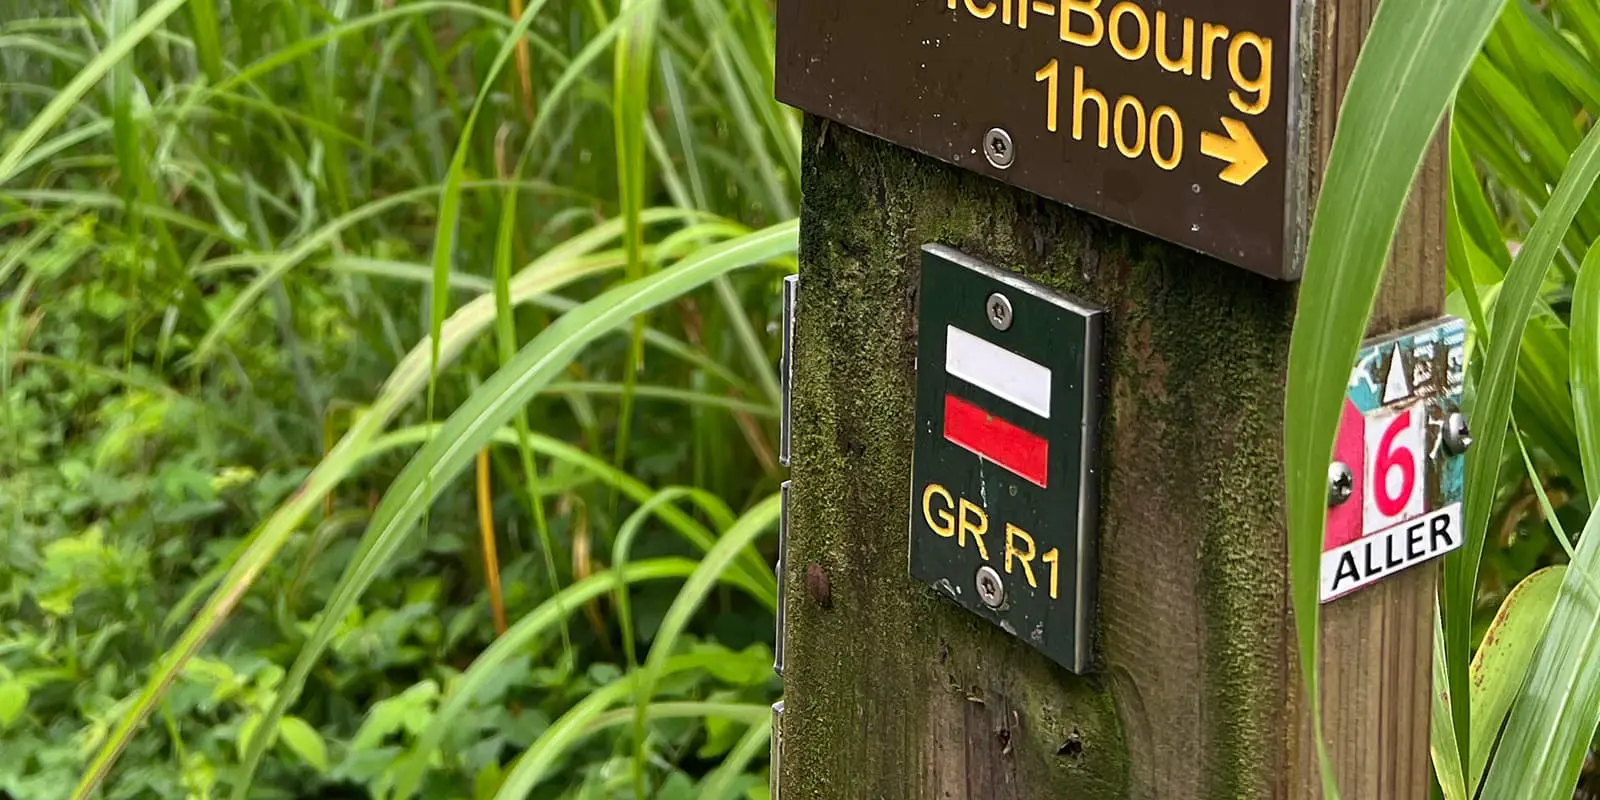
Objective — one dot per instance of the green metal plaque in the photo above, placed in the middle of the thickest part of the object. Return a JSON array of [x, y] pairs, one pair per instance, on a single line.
[[1003, 486]]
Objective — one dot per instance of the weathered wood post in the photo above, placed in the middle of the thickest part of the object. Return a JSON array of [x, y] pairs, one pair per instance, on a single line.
[[962, 123]]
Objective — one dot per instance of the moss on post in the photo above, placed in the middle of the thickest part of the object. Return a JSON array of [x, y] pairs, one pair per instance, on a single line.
[[893, 692]]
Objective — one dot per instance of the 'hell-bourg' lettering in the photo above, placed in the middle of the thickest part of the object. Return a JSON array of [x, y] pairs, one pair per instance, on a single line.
[[960, 518], [1134, 125]]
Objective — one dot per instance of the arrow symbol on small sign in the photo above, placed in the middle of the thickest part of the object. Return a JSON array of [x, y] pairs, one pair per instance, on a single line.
[[1239, 148]]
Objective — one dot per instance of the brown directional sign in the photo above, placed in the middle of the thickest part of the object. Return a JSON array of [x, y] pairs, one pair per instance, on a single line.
[[1174, 117]]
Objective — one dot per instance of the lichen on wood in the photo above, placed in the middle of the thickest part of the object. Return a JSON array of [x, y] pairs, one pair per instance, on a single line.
[[894, 692]]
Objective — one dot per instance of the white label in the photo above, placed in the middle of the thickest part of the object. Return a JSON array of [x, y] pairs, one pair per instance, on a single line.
[[1395, 468], [998, 371], [1371, 558]]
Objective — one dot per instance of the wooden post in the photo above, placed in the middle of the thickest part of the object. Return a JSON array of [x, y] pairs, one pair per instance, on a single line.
[[894, 692]]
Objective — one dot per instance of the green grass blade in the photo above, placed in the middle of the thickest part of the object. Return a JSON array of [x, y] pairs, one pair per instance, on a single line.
[[735, 539], [1442, 745], [635, 49], [1477, 218], [292, 52], [325, 236], [648, 392], [1458, 262], [1415, 58], [87, 199], [506, 341], [755, 571], [520, 639], [419, 273], [403, 385], [622, 548], [748, 713], [445, 230], [1585, 357], [473, 425], [207, 37], [69, 96], [577, 724]]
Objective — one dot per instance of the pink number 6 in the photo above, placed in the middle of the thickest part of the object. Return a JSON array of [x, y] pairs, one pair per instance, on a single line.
[[1388, 458]]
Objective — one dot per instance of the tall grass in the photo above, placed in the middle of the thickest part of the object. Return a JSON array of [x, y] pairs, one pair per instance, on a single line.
[[363, 245], [536, 245]]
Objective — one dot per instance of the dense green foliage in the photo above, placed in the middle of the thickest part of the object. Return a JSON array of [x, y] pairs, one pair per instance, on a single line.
[[304, 304], [1516, 702], [218, 280]]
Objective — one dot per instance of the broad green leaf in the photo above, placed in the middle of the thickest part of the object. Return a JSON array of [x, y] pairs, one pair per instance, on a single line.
[[1416, 55], [720, 784], [248, 731], [1555, 714], [1502, 659], [13, 702], [1491, 410], [305, 742]]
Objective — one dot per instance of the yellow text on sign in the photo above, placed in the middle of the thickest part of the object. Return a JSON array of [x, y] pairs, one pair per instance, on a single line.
[[1134, 33], [963, 520], [1135, 126], [1137, 131]]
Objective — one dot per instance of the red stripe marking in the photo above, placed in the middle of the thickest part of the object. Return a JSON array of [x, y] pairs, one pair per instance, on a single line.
[[999, 441]]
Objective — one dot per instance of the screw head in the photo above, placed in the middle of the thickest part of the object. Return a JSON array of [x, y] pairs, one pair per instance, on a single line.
[[997, 147], [1341, 483], [1457, 436], [990, 590], [998, 309]]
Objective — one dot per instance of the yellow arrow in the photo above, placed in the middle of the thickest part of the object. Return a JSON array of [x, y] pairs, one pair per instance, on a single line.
[[1238, 148]]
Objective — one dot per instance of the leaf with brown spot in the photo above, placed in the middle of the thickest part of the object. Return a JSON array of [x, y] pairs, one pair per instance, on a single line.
[[1502, 660]]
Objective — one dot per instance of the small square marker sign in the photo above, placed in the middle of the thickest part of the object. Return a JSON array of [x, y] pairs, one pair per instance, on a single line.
[[1003, 494], [1400, 443]]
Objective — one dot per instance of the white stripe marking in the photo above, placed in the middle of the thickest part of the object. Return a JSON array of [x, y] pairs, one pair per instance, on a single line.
[[997, 371]]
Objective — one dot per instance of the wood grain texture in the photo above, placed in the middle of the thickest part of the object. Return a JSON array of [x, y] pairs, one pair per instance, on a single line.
[[892, 692], [1377, 644]]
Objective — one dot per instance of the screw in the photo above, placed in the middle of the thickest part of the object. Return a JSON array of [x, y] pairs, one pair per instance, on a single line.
[[990, 590], [999, 309], [1341, 484], [998, 149], [1457, 437]]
